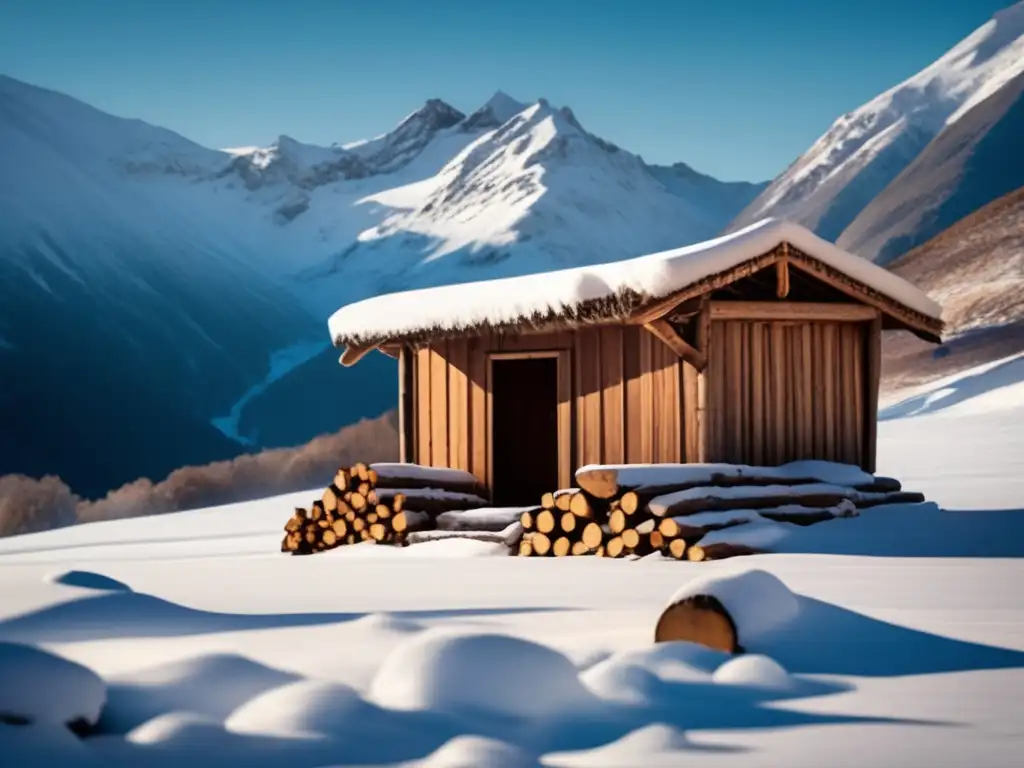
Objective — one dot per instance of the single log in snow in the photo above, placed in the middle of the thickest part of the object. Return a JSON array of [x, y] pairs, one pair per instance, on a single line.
[[607, 481], [397, 475], [728, 612], [482, 519]]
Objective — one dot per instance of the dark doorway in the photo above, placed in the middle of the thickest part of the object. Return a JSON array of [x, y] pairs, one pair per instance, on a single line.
[[524, 437]]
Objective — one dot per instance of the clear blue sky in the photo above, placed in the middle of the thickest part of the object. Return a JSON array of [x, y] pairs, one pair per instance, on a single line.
[[737, 89]]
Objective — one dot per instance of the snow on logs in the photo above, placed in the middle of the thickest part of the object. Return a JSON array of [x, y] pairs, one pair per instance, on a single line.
[[695, 511], [690, 512], [728, 613], [383, 503]]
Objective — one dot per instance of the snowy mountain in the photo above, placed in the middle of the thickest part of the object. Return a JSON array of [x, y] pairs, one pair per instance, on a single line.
[[973, 161], [164, 303], [866, 149]]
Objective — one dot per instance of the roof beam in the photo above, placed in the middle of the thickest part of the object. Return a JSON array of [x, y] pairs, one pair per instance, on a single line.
[[354, 353], [667, 334], [782, 273], [792, 310]]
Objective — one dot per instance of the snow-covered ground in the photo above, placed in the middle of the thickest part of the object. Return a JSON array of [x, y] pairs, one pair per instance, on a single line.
[[906, 646]]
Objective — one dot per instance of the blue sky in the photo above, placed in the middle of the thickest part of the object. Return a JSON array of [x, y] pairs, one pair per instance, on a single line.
[[737, 89]]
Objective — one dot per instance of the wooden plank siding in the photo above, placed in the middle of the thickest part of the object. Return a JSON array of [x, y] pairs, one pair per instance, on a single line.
[[621, 391], [782, 391]]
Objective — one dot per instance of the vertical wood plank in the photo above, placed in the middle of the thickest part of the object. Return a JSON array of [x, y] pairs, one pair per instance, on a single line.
[[647, 414], [828, 364], [758, 387], [872, 381], [857, 363], [564, 385], [807, 348], [458, 404], [779, 392], [423, 406], [631, 372], [703, 427], [612, 396], [588, 400], [690, 414], [737, 385], [439, 416], [478, 439]]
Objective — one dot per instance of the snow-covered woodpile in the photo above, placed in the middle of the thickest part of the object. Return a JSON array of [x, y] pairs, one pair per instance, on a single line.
[[695, 511], [385, 503], [683, 511]]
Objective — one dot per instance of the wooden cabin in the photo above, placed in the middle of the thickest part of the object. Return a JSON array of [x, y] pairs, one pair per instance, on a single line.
[[761, 347]]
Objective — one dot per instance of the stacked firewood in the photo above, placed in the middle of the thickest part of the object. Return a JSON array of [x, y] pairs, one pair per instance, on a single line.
[[383, 503], [637, 510]]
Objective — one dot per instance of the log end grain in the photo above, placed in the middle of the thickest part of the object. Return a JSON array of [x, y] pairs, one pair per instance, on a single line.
[[700, 619]]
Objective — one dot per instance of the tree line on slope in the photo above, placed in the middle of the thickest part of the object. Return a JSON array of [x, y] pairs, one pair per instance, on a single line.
[[28, 505]]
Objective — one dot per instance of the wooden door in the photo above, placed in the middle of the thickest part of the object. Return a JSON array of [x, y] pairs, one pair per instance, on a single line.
[[782, 391]]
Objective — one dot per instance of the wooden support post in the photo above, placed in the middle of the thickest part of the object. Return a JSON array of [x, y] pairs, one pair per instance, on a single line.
[[782, 273], [872, 382], [406, 406]]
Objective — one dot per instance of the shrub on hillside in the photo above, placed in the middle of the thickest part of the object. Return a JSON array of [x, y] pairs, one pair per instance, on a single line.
[[28, 505], [251, 476]]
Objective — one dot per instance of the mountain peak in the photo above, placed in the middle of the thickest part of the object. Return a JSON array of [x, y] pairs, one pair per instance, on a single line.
[[497, 111]]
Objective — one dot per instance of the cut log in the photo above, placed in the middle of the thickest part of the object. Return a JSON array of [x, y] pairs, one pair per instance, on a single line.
[[414, 476], [357, 501], [360, 471], [592, 535], [866, 500], [424, 537], [677, 548], [340, 527], [378, 531], [617, 521], [563, 500], [383, 511], [656, 539], [371, 517], [579, 548], [614, 547], [712, 498], [410, 520], [525, 547], [881, 484], [526, 519], [719, 551], [329, 538], [580, 506], [561, 546], [544, 521], [567, 522], [630, 538], [700, 619], [613, 480], [342, 479], [294, 523], [485, 519], [364, 488], [541, 544], [547, 501], [425, 499]]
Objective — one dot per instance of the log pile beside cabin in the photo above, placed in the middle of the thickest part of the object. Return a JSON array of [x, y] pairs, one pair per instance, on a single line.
[[620, 511], [384, 503], [684, 512]]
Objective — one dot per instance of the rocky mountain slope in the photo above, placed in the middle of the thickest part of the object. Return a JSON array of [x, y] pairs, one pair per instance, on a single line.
[[976, 270], [869, 148], [972, 161]]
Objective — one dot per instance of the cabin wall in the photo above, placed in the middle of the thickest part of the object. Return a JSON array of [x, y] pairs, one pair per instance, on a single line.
[[783, 391], [625, 390]]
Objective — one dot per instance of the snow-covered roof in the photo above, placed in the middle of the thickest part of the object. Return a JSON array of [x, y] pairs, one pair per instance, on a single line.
[[563, 293]]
